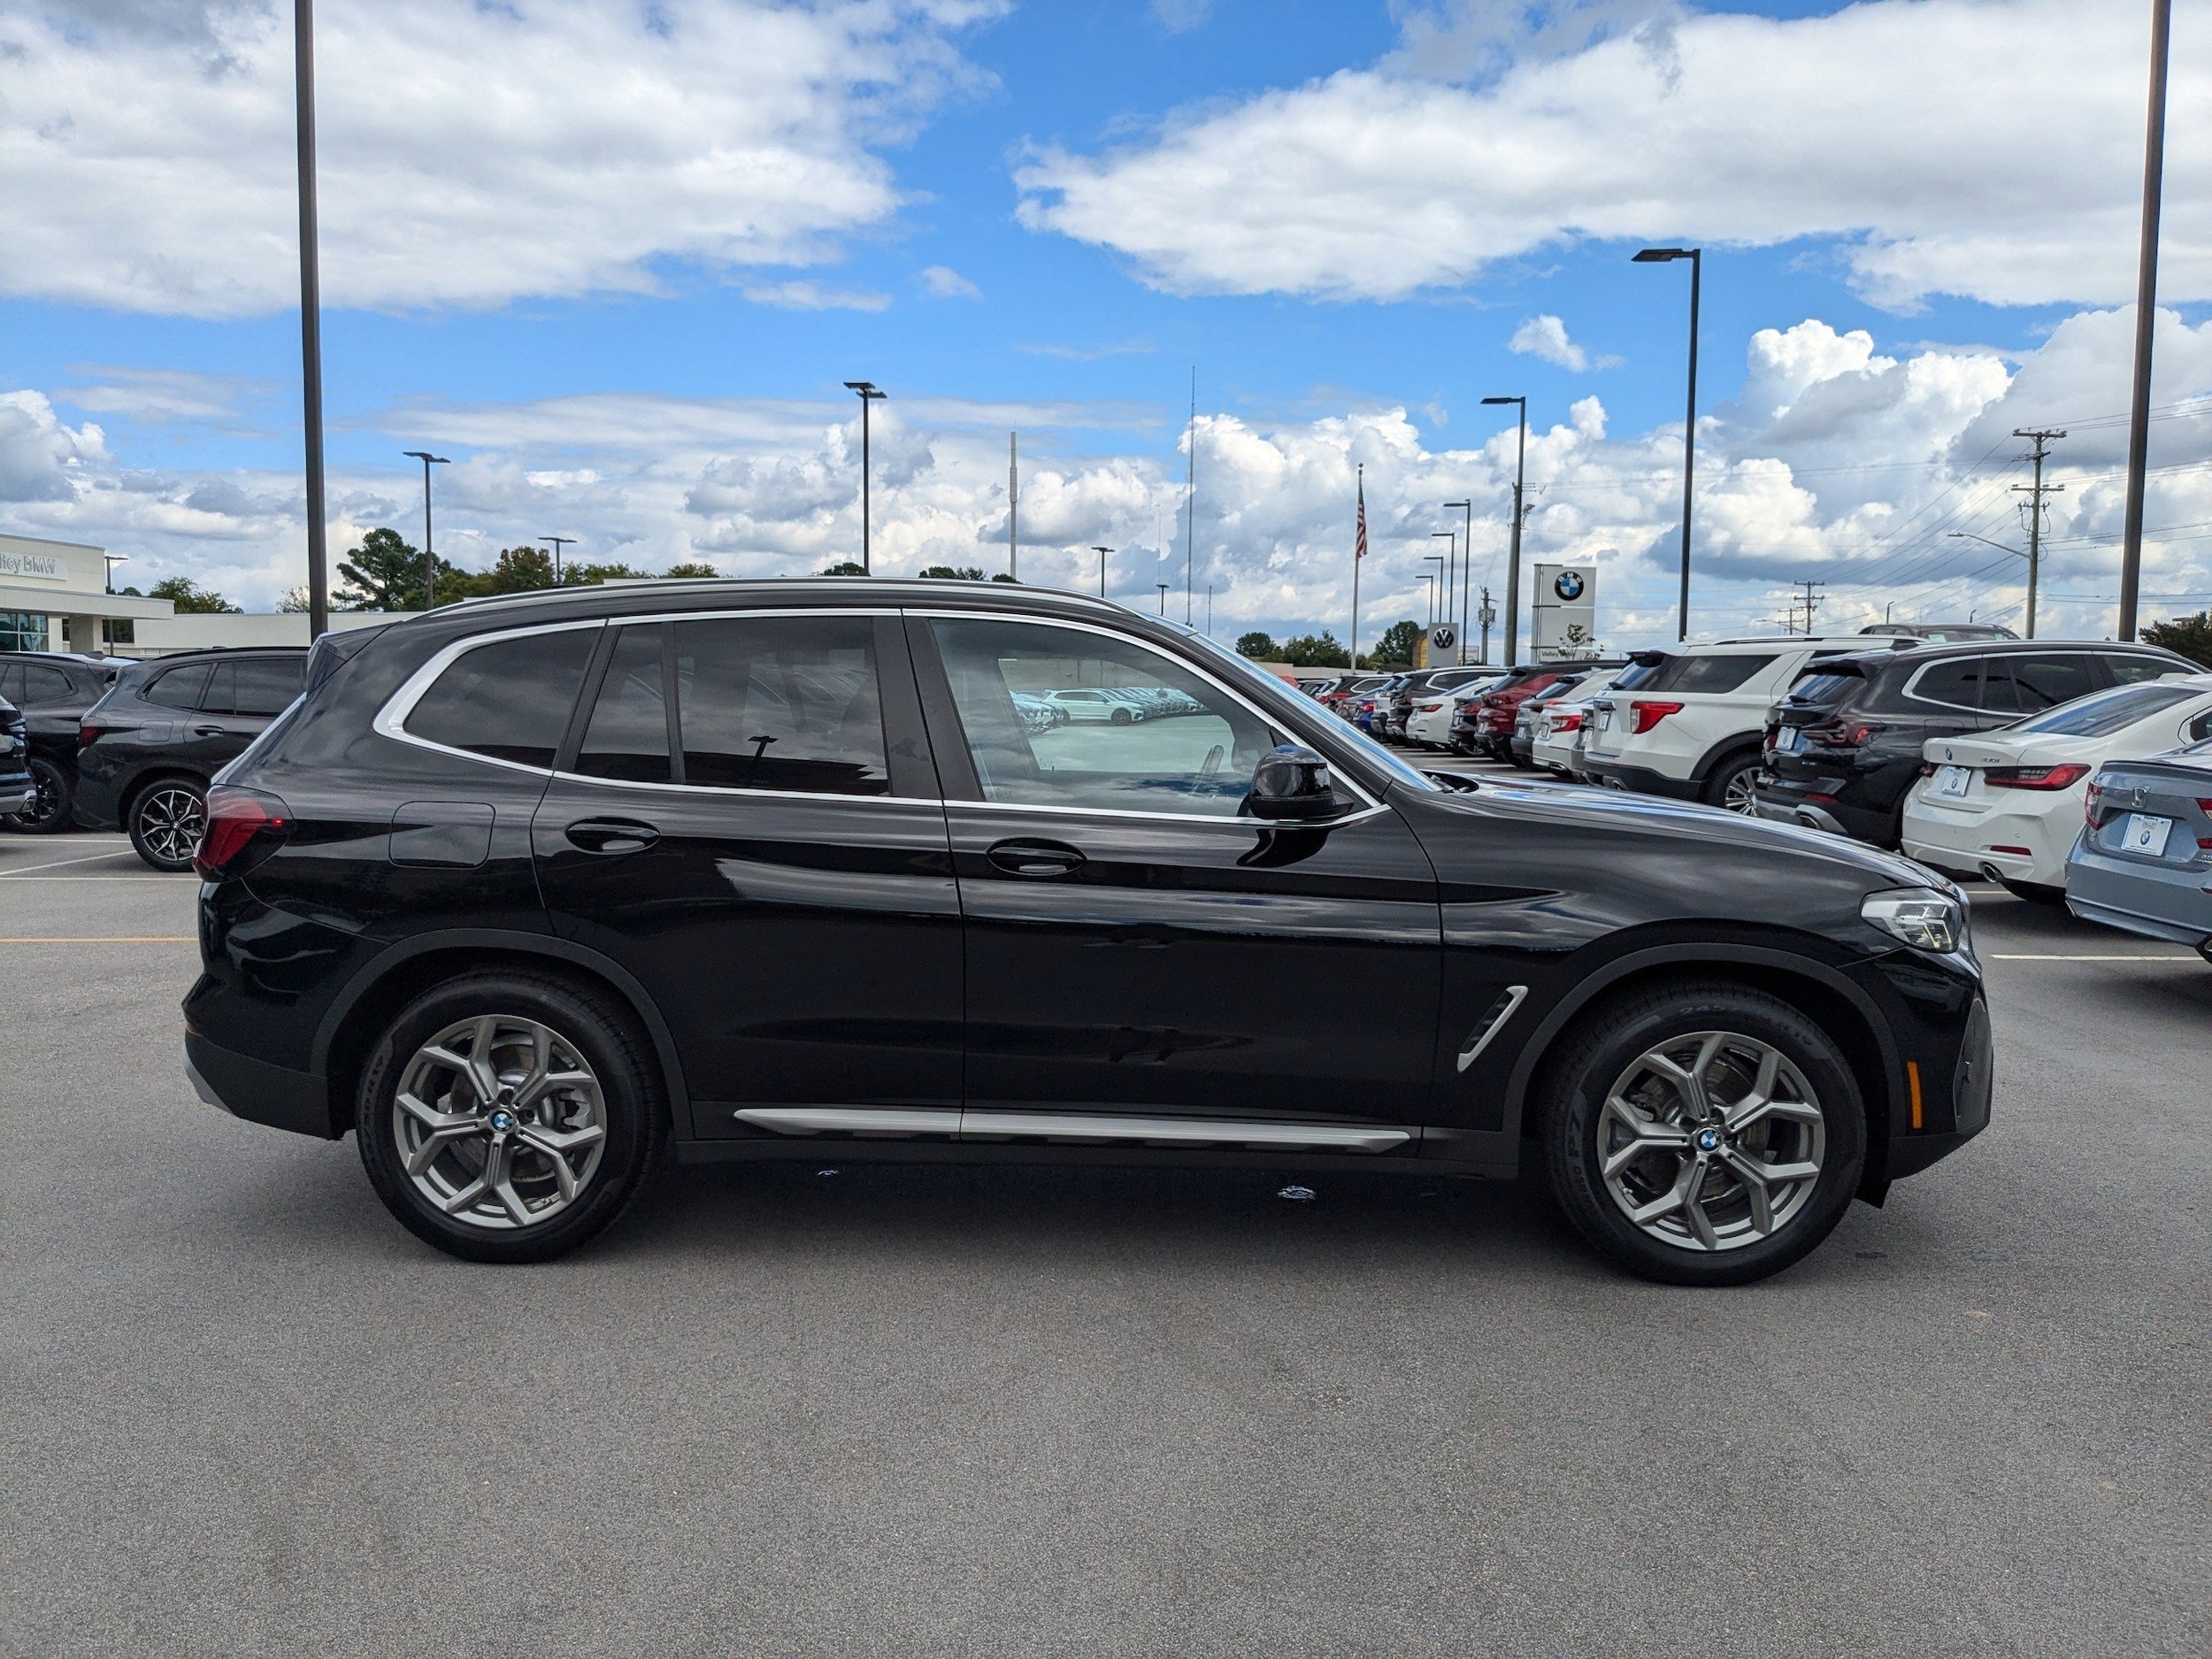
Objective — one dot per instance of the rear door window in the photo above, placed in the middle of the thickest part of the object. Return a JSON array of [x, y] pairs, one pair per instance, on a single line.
[[2132, 671], [2029, 685], [789, 703], [509, 700], [628, 737], [44, 685], [267, 685], [178, 688]]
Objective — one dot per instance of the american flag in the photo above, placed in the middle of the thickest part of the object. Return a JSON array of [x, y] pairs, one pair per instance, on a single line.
[[1359, 546]]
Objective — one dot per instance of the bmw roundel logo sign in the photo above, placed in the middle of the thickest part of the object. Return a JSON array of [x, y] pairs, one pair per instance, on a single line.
[[1568, 585]]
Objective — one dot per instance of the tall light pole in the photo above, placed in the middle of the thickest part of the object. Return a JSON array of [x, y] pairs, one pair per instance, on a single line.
[[1466, 569], [1163, 588], [1436, 593], [429, 548], [1013, 505], [558, 542], [1429, 599], [2146, 320], [311, 317], [1101, 552], [867, 393], [113, 559], [1513, 557], [1696, 257]]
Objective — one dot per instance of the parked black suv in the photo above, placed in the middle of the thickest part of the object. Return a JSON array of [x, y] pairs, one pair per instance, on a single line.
[[18, 791], [524, 888], [1843, 748], [147, 749], [53, 689]]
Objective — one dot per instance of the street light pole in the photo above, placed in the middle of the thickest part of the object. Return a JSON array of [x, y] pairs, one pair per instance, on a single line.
[[867, 393], [2146, 321], [1513, 556], [1437, 591], [1163, 588], [311, 317], [113, 559], [1466, 569], [558, 542], [1101, 552], [1696, 257], [429, 548]]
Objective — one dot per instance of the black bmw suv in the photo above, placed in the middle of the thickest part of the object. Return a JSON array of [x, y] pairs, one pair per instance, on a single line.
[[146, 751], [1843, 746], [525, 890], [53, 689]]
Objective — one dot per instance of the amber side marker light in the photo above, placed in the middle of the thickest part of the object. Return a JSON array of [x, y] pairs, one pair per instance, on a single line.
[[1912, 1076]]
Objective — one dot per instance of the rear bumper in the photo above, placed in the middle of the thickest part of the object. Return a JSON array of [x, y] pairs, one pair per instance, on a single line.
[[1642, 780], [256, 1091], [2171, 904]]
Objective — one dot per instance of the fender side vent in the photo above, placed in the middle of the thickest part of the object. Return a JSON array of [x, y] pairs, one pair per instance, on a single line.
[[1491, 1024]]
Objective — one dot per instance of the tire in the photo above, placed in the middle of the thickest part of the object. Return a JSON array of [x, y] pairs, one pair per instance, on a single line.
[[531, 1215], [1120, 717], [168, 818], [2033, 892], [1820, 1125], [1734, 783], [51, 811]]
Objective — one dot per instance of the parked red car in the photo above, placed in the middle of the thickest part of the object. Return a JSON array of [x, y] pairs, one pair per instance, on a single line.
[[1486, 727]]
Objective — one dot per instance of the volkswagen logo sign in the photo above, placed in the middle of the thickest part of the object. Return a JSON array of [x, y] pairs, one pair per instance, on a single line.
[[1568, 585]]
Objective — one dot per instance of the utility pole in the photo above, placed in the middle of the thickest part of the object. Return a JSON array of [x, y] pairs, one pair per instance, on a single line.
[[1101, 552], [2041, 437], [1513, 565], [311, 317], [1812, 600], [1013, 505], [558, 542], [2146, 320], [1486, 616], [429, 548], [866, 392]]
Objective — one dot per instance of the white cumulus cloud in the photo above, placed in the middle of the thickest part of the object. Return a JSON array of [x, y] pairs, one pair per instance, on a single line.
[[469, 153], [1985, 148], [1544, 336]]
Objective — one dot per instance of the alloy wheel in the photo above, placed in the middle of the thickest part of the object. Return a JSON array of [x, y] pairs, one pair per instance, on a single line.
[[171, 821], [1741, 793], [500, 1121], [1711, 1140], [46, 806]]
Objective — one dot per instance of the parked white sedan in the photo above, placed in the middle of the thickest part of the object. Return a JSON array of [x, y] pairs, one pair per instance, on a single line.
[[2008, 803], [1429, 723], [1559, 723]]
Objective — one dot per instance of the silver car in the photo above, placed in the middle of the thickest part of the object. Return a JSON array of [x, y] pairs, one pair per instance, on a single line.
[[2144, 860]]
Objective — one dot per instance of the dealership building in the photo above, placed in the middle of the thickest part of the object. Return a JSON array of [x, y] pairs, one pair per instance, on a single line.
[[54, 597]]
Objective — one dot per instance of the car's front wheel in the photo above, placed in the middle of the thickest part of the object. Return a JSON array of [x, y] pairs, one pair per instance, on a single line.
[[50, 808], [1703, 1132], [166, 822], [506, 1116]]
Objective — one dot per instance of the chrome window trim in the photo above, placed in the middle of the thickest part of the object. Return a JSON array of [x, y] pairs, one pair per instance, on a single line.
[[1270, 721], [1911, 687], [391, 719], [731, 789]]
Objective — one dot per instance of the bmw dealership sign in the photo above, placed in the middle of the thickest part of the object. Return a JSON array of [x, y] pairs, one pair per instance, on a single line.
[[1566, 613]]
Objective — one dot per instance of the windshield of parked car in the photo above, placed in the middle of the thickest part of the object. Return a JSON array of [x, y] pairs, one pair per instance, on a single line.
[[2102, 713], [1241, 669]]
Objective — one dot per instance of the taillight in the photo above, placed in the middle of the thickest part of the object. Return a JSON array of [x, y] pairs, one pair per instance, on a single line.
[[1643, 715], [1841, 733], [1565, 723], [243, 826], [87, 735], [2034, 777], [2092, 804]]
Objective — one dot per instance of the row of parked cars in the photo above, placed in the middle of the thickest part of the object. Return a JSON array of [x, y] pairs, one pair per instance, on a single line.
[[109, 742], [2073, 771]]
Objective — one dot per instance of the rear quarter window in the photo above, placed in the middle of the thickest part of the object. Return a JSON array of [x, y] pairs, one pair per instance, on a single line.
[[177, 688], [1708, 674], [509, 700]]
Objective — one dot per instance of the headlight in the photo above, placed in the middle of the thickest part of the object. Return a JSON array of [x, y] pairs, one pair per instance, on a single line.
[[1921, 917]]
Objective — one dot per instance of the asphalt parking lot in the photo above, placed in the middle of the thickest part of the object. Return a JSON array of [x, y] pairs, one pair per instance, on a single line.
[[1032, 1412]]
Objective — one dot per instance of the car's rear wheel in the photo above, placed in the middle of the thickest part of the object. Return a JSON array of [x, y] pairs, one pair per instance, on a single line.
[[509, 1118], [50, 808], [166, 821], [1734, 785], [1703, 1132]]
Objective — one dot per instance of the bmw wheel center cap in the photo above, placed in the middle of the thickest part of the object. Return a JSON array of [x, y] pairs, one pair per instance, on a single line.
[[1708, 1139]]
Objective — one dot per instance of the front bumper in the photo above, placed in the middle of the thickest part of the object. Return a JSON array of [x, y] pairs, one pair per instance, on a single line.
[[259, 1091]]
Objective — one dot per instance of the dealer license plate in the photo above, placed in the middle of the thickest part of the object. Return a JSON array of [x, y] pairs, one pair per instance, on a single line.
[[1789, 739], [1952, 782], [1604, 721], [2146, 834]]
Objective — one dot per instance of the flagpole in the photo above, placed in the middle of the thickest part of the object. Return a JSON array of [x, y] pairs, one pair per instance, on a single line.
[[1358, 548]]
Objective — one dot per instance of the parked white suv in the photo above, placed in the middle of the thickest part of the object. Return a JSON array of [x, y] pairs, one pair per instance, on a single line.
[[1693, 729]]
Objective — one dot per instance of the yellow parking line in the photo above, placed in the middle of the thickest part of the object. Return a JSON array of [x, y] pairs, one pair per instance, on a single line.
[[102, 939]]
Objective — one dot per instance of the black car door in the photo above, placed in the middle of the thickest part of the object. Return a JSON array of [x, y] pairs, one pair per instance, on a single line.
[[1135, 941], [745, 819], [243, 694]]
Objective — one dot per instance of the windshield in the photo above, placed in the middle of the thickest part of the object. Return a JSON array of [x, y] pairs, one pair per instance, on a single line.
[[2104, 712], [1241, 669]]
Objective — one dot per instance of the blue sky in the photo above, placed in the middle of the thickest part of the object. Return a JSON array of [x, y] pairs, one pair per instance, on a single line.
[[1046, 216]]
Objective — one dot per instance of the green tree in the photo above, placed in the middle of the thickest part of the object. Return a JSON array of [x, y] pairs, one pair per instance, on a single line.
[[386, 573], [1257, 645], [294, 602], [1395, 649], [947, 573], [2187, 636], [845, 567], [592, 575], [1316, 651], [191, 599], [690, 568]]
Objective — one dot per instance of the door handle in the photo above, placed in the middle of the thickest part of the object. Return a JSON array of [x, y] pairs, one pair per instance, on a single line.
[[612, 835], [207, 731], [1035, 859]]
